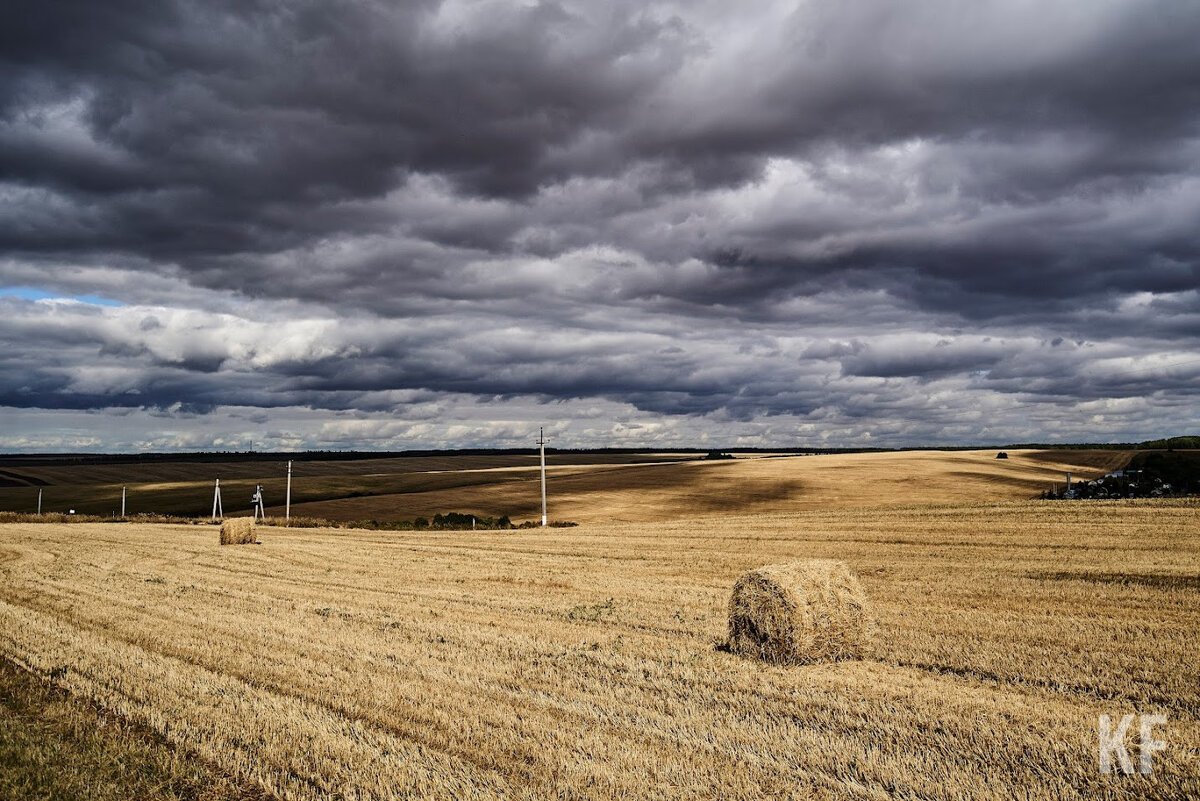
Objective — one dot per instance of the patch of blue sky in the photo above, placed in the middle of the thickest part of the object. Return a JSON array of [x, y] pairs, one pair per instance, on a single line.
[[31, 293]]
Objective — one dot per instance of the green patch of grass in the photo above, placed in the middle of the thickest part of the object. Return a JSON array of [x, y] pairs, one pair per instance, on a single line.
[[329, 611], [592, 612], [53, 746]]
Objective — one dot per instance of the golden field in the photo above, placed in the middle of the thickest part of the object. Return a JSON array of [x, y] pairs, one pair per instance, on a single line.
[[586, 662]]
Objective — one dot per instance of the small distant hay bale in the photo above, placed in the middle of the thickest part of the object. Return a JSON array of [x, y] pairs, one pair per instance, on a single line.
[[238, 531], [799, 613]]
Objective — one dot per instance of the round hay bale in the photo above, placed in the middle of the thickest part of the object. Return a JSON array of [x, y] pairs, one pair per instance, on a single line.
[[238, 531], [799, 613]]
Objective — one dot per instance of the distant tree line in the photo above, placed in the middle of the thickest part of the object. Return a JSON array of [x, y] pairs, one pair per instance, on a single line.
[[457, 521], [63, 459], [450, 521], [1170, 443], [1157, 474]]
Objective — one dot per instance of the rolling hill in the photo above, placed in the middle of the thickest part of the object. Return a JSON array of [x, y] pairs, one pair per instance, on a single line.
[[582, 487]]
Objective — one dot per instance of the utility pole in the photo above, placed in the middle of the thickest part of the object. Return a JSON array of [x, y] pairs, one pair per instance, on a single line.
[[123, 503], [542, 450], [287, 508], [257, 500], [217, 508], [39, 503]]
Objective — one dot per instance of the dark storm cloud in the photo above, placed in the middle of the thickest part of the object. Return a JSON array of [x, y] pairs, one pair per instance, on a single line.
[[815, 210]]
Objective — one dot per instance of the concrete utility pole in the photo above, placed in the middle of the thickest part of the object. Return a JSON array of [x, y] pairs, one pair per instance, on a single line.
[[257, 500], [542, 450], [287, 507], [217, 508], [123, 503], [39, 503]]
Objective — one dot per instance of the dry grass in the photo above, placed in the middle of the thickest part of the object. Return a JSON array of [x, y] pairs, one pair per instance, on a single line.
[[238, 531], [799, 613], [584, 662]]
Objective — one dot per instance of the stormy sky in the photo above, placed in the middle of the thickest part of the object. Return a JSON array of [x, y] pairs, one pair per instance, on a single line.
[[353, 224]]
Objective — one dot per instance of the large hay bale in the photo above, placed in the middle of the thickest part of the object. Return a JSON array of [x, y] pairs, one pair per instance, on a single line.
[[798, 613], [238, 531]]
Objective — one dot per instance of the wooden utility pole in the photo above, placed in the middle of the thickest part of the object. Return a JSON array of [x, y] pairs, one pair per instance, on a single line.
[[542, 451]]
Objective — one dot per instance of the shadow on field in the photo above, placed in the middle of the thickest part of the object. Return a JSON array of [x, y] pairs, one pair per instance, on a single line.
[[1156, 580]]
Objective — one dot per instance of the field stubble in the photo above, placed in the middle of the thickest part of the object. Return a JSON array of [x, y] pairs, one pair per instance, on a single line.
[[586, 662]]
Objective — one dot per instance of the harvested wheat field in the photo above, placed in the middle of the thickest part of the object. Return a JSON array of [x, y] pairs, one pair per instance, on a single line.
[[590, 662]]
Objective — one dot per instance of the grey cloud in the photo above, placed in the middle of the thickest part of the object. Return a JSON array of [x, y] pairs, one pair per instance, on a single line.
[[703, 214]]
